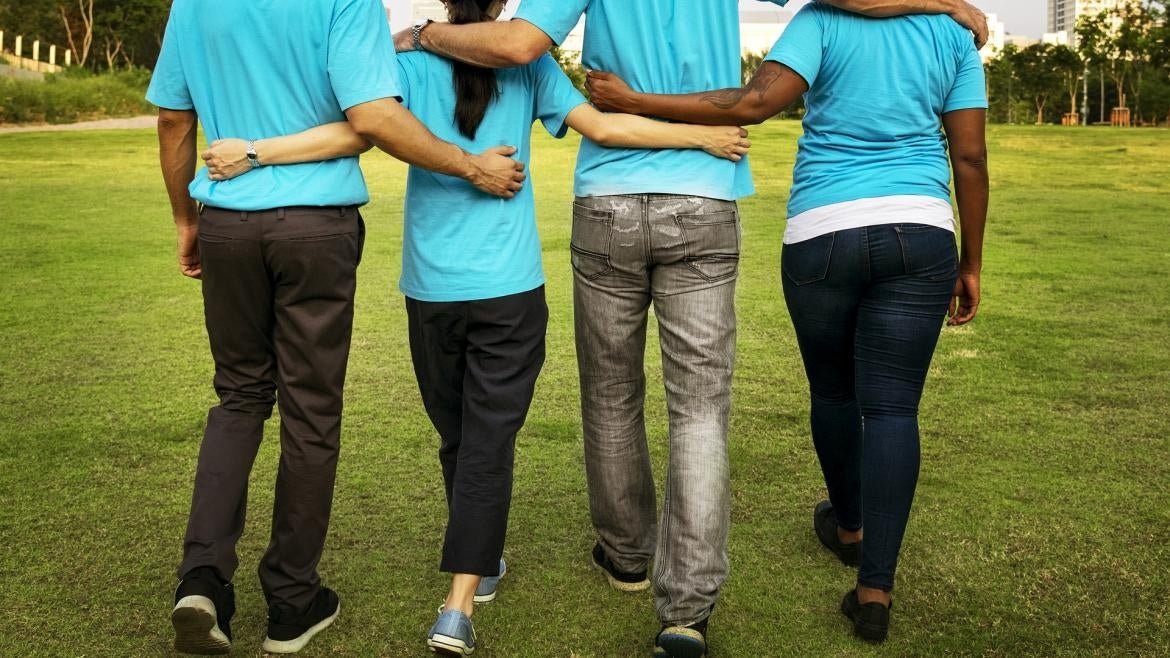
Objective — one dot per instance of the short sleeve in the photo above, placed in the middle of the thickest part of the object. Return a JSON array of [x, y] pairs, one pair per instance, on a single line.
[[969, 91], [407, 65], [556, 18], [554, 95], [168, 85], [362, 64], [800, 47]]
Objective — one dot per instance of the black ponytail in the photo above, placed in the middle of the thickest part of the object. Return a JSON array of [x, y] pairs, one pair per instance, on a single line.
[[475, 87]]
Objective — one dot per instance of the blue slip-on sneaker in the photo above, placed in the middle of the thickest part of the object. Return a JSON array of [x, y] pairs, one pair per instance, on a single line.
[[488, 585], [682, 641], [452, 634]]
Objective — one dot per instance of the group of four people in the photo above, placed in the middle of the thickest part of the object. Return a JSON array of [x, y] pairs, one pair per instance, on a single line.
[[291, 93]]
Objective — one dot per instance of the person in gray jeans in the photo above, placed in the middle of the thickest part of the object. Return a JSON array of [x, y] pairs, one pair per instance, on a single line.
[[661, 228]]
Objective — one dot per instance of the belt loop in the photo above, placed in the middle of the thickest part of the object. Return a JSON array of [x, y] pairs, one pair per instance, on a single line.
[[243, 215], [280, 214], [342, 211]]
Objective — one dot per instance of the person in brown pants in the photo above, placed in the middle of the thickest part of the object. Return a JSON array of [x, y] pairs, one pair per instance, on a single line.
[[278, 253]]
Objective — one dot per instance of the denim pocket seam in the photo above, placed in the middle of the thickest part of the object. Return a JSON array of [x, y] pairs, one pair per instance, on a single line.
[[603, 218], [719, 218], [905, 231], [824, 272]]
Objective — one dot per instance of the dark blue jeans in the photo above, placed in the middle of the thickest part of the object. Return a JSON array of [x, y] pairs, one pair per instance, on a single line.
[[868, 305]]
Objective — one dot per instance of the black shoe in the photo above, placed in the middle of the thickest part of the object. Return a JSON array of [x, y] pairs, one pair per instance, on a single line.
[[619, 580], [289, 630], [825, 523], [871, 621], [202, 617], [682, 641]]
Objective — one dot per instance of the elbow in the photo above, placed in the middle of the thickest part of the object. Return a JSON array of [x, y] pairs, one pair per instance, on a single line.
[[750, 114], [974, 159], [526, 52], [367, 121], [175, 120], [604, 135], [363, 125]]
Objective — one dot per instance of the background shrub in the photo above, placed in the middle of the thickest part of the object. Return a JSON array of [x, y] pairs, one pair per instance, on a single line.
[[74, 95]]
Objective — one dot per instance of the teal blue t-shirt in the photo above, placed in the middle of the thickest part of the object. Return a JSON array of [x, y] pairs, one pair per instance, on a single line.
[[266, 68], [659, 47], [459, 243], [877, 91]]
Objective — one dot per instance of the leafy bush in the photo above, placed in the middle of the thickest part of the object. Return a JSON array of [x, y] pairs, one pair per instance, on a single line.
[[71, 96]]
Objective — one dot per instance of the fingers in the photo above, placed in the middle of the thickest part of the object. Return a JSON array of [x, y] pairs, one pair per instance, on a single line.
[[503, 150], [597, 75]]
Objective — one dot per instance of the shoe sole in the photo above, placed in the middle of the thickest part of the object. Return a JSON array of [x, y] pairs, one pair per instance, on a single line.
[[296, 644], [681, 642], [196, 628], [445, 645], [867, 632], [622, 586]]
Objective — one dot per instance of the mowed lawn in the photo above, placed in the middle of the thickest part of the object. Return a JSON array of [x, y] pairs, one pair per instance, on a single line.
[[1041, 525]]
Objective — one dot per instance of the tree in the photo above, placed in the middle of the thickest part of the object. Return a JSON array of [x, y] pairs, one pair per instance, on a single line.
[[1093, 42], [78, 28], [1039, 80], [1069, 66]]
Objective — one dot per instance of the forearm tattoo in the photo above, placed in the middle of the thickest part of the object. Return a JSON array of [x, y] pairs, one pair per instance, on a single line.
[[760, 83]]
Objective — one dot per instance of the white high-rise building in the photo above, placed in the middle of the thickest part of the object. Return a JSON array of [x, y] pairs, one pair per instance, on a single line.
[[1064, 14], [996, 33]]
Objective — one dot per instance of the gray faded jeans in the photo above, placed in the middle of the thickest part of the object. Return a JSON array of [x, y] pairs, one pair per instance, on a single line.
[[682, 254]]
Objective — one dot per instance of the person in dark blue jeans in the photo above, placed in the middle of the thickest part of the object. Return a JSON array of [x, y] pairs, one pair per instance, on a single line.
[[870, 267]]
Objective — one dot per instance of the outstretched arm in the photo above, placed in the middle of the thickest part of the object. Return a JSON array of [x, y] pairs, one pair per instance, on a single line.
[[964, 13], [772, 89], [228, 158], [965, 131], [491, 44], [727, 142]]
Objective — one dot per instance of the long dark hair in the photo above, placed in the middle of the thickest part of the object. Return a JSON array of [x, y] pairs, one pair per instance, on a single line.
[[475, 87]]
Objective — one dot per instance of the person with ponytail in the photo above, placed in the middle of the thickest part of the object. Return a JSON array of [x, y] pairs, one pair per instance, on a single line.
[[473, 280]]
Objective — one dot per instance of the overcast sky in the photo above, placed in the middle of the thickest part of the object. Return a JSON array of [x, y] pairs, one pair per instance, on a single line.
[[1028, 17]]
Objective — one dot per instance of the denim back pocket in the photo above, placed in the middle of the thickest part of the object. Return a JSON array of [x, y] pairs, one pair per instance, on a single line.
[[590, 243], [808, 261], [928, 252], [711, 241]]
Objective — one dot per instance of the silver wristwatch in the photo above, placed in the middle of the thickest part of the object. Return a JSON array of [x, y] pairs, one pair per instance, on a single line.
[[253, 161], [416, 33]]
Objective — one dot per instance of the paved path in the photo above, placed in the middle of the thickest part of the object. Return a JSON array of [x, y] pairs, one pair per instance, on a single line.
[[105, 124]]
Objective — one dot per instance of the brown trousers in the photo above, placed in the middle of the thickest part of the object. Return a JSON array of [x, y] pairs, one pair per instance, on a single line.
[[278, 291]]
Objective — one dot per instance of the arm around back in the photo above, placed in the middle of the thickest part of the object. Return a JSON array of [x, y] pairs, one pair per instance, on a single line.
[[772, 89], [627, 130], [964, 13], [491, 44], [393, 129]]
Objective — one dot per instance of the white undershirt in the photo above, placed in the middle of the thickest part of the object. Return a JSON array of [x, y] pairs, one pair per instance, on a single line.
[[904, 209]]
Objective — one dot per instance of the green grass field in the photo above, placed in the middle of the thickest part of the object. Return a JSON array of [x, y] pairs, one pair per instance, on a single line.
[[1041, 526]]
